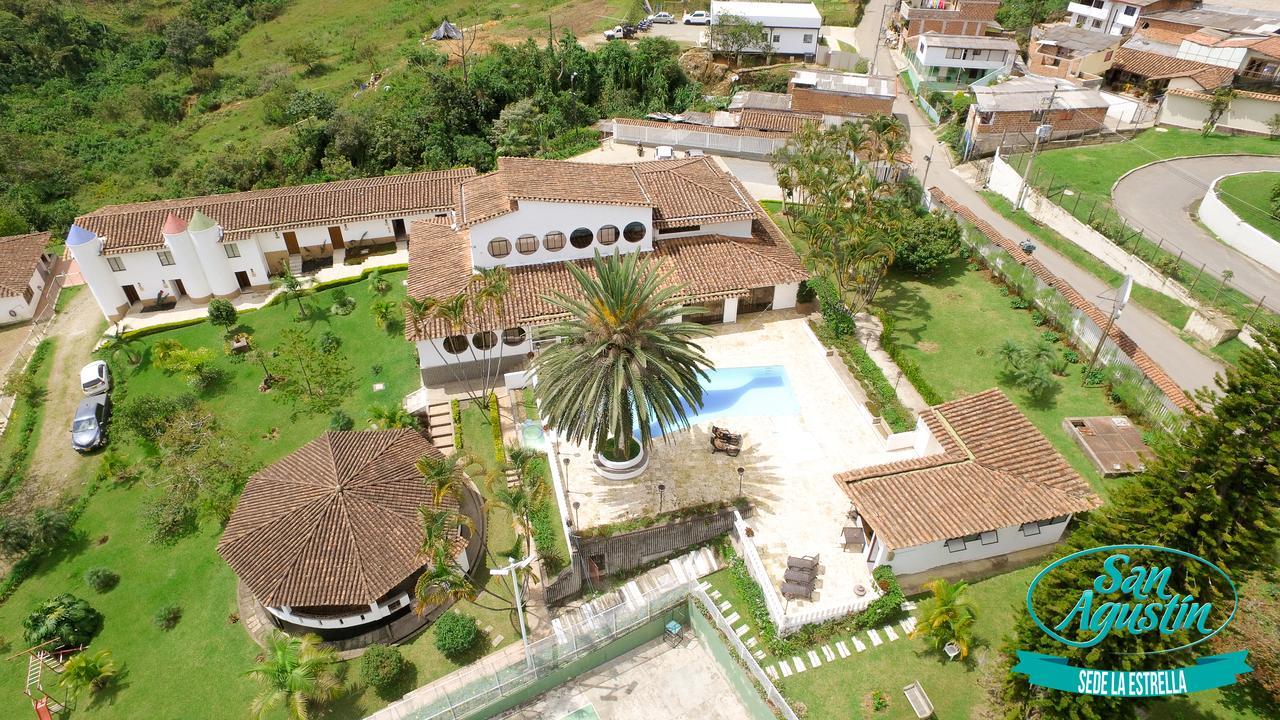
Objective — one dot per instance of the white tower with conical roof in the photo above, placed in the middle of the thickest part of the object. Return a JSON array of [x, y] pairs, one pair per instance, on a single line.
[[205, 236], [179, 243], [86, 248]]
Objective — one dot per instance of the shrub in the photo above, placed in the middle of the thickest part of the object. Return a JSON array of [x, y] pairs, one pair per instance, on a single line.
[[1030, 367], [1050, 337], [879, 390], [167, 617], [339, 420], [169, 516], [456, 633], [1071, 356], [495, 427], [910, 370], [378, 283], [328, 342], [455, 411], [1038, 317], [1017, 302], [927, 244], [222, 313], [65, 617], [343, 303], [147, 415], [381, 666], [834, 313], [101, 579]]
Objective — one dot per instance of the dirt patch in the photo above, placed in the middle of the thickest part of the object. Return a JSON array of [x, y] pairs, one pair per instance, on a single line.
[[927, 346], [55, 467]]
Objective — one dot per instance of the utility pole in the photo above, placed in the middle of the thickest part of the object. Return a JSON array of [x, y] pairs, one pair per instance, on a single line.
[[928, 161], [875, 54], [511, 569], [1035, 148]]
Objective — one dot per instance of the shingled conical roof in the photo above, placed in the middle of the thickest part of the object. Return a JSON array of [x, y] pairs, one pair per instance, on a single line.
[[334, 523]]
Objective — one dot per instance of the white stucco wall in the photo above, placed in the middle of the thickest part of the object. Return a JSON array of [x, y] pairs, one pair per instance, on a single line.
[[432, 353], [1236, 232], [17, 309], [539, 218], [920, 558], [1245, 114], [739, 228], [791, 41], [936, 56], [784, 296]]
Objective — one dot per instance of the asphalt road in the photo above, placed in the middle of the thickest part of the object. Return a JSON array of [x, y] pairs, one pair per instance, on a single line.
[[1160, 198]]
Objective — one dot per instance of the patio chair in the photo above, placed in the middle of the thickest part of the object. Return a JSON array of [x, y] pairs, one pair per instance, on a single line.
[[796, 575], [807, 562], [794, 591], [919, 700]]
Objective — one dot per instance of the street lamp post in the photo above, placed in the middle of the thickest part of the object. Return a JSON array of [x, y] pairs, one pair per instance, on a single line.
[[741, 471], [510, 569], [662, 488], [576, 505]]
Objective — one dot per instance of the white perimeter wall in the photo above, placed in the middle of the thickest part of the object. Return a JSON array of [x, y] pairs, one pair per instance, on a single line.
[[1245, 114], [920, 558], [1236, 232]]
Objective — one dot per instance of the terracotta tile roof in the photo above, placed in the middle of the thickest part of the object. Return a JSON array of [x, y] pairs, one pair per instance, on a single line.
[[1155, 66], [19, 255], [995, 470], [1267, 97], [336, 522], [776, 121], [1269, 46], [679, 191], [136, 226], [1144, 362], [708, 266]]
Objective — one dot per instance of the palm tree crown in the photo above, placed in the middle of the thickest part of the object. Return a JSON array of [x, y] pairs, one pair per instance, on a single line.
[[294, 673], [624, 358], [947, 616]]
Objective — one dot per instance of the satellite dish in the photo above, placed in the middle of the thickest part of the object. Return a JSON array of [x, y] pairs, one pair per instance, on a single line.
[[1122, 294]]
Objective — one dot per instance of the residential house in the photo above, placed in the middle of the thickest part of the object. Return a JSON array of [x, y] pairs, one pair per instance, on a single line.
[[328, 540], [25, 269], [792, 27], [1147, 67], [1009, 113], [973, 18], [689, 216], [143, 254], [987, 487], [1117, 17], [1255, 59], [956, 61], [1071, 53], [841, 93]]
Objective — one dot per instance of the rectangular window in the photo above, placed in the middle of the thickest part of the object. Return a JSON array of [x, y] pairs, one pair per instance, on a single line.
[[115, 263], [1130, 10], [777, 39], [166, 257], [986, 118], [231, 249], [1029, 529], [27, 294], [808, 37], [955, 545], [991, 537]]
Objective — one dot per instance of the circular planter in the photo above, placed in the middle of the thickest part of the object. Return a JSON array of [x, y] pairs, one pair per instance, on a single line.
[[627, 469]]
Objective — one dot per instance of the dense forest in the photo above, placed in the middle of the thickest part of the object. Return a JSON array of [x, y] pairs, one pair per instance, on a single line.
[[100, 109]]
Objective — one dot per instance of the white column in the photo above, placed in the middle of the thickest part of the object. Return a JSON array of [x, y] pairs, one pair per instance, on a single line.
[[190, 270], [730, 310], [86, 248], [784, 296], [205, 234]]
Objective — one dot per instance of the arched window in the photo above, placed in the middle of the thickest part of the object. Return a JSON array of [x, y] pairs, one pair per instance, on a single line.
[[513, 336], [527, 244], [455, 344], [634, 231], [484, 340], [580, 238], [608, 235], [499, 247], [553, 241]]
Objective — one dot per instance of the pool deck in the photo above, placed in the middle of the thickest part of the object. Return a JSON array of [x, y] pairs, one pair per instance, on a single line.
[[788, 460]]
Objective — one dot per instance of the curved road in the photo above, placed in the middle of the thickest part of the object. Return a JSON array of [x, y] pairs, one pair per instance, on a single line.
[[1160, 197]]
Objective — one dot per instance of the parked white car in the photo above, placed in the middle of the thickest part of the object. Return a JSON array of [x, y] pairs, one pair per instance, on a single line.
[[697, 17], [95, 378], [663, 17]]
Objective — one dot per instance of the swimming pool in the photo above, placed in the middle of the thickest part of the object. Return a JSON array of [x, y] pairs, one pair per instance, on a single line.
[[734, 392]]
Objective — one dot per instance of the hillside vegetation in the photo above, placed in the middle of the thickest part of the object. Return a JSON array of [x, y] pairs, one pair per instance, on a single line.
[[108, 102]]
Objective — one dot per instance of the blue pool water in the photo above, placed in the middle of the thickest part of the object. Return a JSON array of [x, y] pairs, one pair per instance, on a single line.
[[734, 392]]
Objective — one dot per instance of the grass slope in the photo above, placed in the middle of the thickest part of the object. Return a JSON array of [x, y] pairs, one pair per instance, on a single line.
[[1249, 196]]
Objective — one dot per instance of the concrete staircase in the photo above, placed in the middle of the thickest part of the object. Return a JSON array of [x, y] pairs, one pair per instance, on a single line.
[[295, 265], [440, 427]]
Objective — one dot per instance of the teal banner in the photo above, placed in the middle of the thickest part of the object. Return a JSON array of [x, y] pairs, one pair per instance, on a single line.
[[1209, 672]]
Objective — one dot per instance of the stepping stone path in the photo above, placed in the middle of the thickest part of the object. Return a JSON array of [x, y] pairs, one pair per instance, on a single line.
[[786, 669], [498, 641], [843, 649], [772, 672], [742, 630], [759, 654], [909, 625], [733, 618], [725, 607], [813, 659], [751, 641], [799, 664], [715, 594], [888, 630], [875, 638], [827, 653], [857, 644]]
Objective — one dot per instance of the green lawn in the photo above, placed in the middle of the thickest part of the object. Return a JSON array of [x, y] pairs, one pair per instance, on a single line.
[[197, 670], [1168, 309], [937, 325], [1249, 196]]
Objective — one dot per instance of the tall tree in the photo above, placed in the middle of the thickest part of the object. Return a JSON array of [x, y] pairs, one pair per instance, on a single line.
[[734, 35], [624, 361], [295, 673], [1213, 489]]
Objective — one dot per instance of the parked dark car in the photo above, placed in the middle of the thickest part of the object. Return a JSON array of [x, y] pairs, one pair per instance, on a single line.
[[89, 424]]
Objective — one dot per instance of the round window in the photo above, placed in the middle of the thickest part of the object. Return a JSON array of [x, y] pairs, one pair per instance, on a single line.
[[553, 241], [455, 344], [513, 336], [633, 232], [608, 235], [527, 244], [484, 340], [499, 247], [580, 238]]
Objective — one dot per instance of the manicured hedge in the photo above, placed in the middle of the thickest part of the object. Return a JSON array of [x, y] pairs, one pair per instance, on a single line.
[[878, 388], [834, 313]]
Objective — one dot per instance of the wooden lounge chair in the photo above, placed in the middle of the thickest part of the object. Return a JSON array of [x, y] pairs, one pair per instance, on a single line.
[[919, 700], [793, 591], [808, 562], [796, 575]]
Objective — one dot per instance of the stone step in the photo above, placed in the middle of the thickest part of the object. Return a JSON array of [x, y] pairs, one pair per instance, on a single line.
[[759, 654], [725, 606], [813, 659], [843, 649], [752, 641], [772, 672], [786, 669], [875, 638], [798, 664], [857, 644], [733, 618], [888, 631], [743, 630], [828, 653]]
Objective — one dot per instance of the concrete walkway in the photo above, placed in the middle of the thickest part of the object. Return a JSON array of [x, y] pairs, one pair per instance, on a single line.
[[868, 332]]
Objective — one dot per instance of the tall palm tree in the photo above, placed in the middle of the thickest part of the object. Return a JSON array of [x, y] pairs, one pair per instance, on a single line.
[[418, 310], [947, 616], [121, 344], [444, 475], [390, 417], [88, 671], [292, 286], [295, 673], [625, 359], [490, 287]]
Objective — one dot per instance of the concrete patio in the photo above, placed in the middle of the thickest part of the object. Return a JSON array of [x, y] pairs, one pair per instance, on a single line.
[[788, 460]]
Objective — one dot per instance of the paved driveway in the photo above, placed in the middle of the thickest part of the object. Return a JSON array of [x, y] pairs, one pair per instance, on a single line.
[[1160, 198]]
